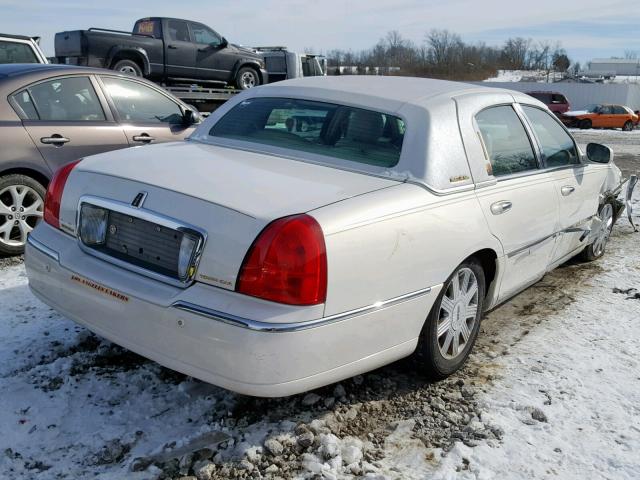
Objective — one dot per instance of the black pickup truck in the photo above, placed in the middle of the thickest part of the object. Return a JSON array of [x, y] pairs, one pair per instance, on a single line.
[[166, 50]]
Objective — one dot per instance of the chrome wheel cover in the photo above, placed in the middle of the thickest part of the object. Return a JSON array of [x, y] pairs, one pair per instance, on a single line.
[[248, 80], [128, 70], [458, 312], [602, 237], [20, 210]]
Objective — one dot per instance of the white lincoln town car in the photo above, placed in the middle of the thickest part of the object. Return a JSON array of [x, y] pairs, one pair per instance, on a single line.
[[314, 229]]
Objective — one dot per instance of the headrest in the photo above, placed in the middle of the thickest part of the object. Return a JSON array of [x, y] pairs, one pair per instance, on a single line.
[[365, 127]]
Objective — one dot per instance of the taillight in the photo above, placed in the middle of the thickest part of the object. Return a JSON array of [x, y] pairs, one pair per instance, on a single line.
[[54, 194], [287, 263]]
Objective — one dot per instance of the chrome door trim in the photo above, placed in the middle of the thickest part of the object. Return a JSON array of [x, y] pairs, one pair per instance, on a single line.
[[270, 327]]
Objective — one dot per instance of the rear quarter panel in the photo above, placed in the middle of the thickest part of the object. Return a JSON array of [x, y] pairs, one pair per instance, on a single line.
[[396, 241]]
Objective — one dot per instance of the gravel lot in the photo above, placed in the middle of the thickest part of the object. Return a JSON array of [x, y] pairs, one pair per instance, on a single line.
[[76, 406]]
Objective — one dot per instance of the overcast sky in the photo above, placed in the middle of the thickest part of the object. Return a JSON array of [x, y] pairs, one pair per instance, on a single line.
[[586, 28]]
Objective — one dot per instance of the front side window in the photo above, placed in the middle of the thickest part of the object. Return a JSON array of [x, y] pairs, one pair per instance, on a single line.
[[338, 131], [506, 142], [14, 52], [202, 34], [557, 145], [138, 103], [178, 30], [71, 99]]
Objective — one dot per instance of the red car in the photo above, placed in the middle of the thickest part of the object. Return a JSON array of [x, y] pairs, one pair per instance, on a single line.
[[556, 101]]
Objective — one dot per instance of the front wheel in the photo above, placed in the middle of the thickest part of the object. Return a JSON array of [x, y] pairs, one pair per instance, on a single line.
[[452, 326], [597, 248], [585, 124], [628, 126], [247, 78], [21, 207]]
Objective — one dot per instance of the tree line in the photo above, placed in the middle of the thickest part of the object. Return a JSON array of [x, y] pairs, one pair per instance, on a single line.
[[443, 54]]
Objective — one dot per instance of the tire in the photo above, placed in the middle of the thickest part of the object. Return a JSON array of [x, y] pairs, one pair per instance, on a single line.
[[247, 78], [628, 126], [585, 124], [435, 355], [128, 67], [597, 248], [18, 192]]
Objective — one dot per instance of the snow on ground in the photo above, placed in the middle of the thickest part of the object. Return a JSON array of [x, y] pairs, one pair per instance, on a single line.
[[520, 76], [552, 390]]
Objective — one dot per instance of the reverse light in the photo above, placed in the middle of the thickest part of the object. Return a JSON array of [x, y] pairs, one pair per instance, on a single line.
[[287, 263], [54, 194]]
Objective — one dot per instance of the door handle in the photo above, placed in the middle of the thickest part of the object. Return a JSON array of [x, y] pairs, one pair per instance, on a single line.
[[203, 49], [144, 138], [567, 190], [55, 139], [501, 207], [172, 47]]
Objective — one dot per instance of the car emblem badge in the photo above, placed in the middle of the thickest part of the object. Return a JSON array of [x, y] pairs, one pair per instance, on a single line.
[[139, 200]]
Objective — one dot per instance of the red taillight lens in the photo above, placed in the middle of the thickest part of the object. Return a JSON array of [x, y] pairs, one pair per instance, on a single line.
[[54, 194], [287, 263]]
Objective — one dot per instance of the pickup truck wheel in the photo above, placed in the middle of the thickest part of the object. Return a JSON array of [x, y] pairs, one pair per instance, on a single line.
[[585, 124], [21, 207], [247, 78], [598, 246], [452, 326], [628, 126], [128, 67]]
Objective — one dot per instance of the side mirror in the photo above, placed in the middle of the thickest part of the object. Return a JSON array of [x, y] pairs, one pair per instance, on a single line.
[[633, 179], [189, 117], [224, 43], [599, 153]]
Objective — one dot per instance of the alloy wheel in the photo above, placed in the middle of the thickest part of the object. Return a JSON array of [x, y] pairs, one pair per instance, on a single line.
[[458, 313], [602, 237], [21, 208], [248, 80], [127, 70]]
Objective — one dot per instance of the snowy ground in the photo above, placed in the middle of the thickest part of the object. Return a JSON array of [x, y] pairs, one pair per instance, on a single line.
[[552, 391], [522, 76]]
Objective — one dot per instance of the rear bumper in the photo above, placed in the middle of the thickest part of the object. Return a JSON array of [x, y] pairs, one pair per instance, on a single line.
[[268, 357]]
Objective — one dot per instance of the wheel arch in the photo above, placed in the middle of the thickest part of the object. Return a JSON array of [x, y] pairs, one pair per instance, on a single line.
[[247, 63], [488, 259], [40, 177], [137, 55]]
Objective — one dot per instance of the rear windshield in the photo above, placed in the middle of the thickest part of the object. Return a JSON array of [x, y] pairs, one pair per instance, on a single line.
[[338, 131], [14, 52]]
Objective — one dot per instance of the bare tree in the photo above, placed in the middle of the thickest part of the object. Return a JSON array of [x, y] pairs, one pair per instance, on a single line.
[[516, 53]]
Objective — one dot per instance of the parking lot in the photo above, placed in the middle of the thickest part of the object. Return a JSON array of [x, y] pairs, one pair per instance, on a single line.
[[551, 390]]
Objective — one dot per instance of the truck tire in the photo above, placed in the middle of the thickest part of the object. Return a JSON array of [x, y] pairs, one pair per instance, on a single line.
[[128, 67], [247, 78]]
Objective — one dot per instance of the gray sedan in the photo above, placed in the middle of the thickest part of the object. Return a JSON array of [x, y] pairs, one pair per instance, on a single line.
[[51, 115]]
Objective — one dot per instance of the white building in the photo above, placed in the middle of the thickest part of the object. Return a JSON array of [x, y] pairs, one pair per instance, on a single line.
[[615, 66]]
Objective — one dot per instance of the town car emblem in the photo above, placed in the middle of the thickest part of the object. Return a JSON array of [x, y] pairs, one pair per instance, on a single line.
[[139, 200]]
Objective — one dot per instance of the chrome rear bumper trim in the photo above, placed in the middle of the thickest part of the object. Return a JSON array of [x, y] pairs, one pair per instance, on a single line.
[[259, 326]]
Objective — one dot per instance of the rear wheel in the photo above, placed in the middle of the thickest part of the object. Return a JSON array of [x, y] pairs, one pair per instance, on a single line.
[[21, 207], [628, 126], [597, 248], [128, 67], [585, 124], [247, 78], [452, 326]]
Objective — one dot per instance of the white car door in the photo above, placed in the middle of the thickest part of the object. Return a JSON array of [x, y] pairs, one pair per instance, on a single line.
[[521, 206], [576, 183]]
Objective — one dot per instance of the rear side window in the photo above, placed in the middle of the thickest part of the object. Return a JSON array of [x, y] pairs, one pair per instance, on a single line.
[[138, 103], [543, 97], [178, 30], [24, 102], [338, 131], [558, 99], [557, 146], [13, 52], [71, 99], [505, 140], [619, 110]]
